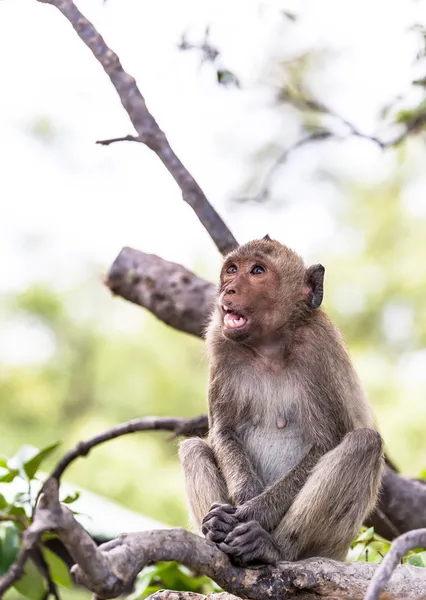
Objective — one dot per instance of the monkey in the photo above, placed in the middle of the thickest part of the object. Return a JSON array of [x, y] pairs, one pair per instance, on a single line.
[[292, 463]]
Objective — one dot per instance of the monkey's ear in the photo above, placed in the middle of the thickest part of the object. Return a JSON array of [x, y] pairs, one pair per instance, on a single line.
[[266, 238], [315, 285]]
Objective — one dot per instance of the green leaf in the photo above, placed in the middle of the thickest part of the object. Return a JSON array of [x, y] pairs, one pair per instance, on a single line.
[[18, 511], [31, 585], [417, 560], [366, 536], [28, 459], [3, 462], [9, 545], [58, 569], [3, 502], [356, 552], [71, 498], [143, 582], [8, 475], [31, 466]]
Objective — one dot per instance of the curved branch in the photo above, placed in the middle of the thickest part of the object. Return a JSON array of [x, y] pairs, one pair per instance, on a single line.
[[149, 133], [400, 547], [177, 425]]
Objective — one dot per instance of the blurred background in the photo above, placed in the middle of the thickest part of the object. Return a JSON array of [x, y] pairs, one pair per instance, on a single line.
[[234, 85]]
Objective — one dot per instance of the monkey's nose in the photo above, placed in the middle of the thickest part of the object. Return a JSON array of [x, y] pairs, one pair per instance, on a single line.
[[229, 290]]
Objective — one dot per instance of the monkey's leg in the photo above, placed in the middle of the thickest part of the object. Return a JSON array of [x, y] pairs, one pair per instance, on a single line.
[[206, 491], [329, 510], [326, 514]]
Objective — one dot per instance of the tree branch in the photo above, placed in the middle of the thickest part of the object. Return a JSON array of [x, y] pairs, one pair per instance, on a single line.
[[177, 425], [149, 133], [310, 579], [126, 138], [171, 292], [400, 547]]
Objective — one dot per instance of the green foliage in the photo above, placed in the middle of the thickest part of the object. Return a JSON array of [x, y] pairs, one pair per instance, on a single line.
[[15, 511], [369, 547], [170, 576]]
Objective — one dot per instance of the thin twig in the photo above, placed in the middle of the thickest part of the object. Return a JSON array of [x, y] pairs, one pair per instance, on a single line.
[[15, 518], [400, 547], [126, 138], [146, 126], [40, 562], [283, 158]]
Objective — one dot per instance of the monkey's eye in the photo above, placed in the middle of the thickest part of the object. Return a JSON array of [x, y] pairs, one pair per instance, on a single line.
[[258, 270], [231, 269]]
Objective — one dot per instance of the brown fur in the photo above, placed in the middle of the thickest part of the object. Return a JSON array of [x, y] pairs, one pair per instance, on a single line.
[[293, 463]]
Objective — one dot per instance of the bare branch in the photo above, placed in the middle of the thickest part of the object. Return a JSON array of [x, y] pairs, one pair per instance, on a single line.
[[149, 132], [309, 579], [171, 292], [281, 159], [400, 547], [126, 138]]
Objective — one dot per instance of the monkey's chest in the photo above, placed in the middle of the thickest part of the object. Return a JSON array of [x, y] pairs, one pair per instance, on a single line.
[[275, 445]]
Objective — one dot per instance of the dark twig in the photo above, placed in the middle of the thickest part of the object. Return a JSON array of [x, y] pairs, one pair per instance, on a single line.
[[149, 132], [126, 138], [281, 159], [39, 560], [400, 547]]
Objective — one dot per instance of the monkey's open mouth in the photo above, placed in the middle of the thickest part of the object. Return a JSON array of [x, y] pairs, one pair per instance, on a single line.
[[232, 319]]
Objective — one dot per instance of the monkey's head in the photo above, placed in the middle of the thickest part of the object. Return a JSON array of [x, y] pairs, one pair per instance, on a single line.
[[263, 286]]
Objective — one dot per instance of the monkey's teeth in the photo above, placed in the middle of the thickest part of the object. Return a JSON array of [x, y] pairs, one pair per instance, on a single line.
[[231, 321]]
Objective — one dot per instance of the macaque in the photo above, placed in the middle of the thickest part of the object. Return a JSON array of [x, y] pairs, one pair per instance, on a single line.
[[292, 463]]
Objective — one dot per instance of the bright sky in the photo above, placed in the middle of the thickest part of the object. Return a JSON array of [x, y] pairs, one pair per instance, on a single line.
[[88, 201]]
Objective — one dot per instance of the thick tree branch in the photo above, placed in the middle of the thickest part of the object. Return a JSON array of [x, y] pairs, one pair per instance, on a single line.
[[149, 132], [171, 292], [309, 579]]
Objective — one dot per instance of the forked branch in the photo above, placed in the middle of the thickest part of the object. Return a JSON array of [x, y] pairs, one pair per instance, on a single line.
[[149, 132]]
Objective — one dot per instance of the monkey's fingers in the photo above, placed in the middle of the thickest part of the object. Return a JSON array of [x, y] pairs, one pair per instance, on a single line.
[[223, 515], [243, 531], [217, 525], [216, 536], [249, 543], [228, 508]]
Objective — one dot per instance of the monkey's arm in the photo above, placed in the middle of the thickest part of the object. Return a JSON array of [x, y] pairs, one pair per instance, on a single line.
[[242, 481], [269, 507]]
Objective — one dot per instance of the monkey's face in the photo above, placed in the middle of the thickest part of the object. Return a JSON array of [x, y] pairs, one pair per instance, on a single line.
[[251, 304], [262, 285]]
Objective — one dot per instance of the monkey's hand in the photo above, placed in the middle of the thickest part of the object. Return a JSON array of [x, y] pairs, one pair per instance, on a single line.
[[248, 512], [219, 522], [249, 543]]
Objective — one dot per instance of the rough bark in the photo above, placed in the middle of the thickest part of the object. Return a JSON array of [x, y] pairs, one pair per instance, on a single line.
[[308, 579], [172, 293]]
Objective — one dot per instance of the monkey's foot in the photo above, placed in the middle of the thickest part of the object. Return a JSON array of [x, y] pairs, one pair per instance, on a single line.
[[250, 543], [219, 522]]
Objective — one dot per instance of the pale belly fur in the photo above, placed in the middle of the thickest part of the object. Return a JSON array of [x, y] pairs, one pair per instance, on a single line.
[[273, 451]]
